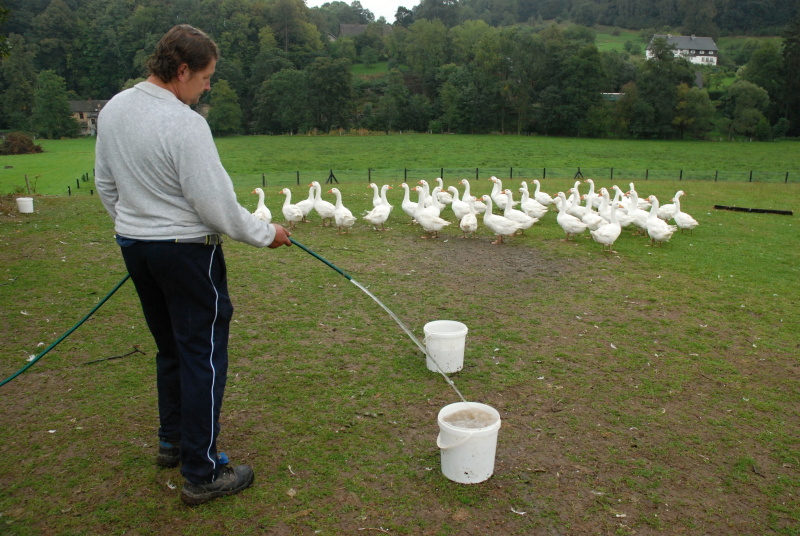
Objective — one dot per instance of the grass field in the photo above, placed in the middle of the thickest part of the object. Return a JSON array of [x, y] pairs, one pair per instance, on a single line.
[[420, 156], [606, 40], [654, 391]]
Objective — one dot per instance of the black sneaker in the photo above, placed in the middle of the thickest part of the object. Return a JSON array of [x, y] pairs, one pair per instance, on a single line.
[[168, 455], [231, 480]]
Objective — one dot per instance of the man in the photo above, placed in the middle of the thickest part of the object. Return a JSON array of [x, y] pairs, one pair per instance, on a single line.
[[159, 176]]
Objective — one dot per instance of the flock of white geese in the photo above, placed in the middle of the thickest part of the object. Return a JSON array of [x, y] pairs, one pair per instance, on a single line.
[[597, 212]]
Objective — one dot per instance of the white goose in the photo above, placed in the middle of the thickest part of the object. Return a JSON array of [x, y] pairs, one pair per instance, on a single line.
[[641, 203], [606, 204], [498, 195], [262, 212], [592, 219], [306, 205], [434, 199], [667, 211], [571, 225], [499, 225], [638, 216], [444, 196], [425, 193], [477, 204], [324, 208], [607, 234], [530, 206], [408, 206], [342, 216], [376, 195], [469, 222], [542, 197], [595, 199], [460, 208], [378, 215], [428, 217], [659, 230], [518, 216], [290, 211], [684, 221], [574, 206]]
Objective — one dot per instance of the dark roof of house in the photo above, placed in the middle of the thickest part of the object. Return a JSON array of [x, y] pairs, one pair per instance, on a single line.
[[86, 106], [687, 42]]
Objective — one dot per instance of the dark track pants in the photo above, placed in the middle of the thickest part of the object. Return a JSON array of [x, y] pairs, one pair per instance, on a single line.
[[184, 294]]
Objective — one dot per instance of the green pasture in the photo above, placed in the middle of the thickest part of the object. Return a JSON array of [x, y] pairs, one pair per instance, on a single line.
[[606, 40], [652, 391], [395, 157]]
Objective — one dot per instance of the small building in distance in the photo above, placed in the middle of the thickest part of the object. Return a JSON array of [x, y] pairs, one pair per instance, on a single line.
[[699, 50], [85, 113]]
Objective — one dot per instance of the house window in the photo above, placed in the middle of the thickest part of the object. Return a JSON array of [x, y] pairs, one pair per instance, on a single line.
[[693, 52], [80, 115]]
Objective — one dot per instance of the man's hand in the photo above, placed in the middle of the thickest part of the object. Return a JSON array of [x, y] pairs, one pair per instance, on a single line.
[[281, 237]]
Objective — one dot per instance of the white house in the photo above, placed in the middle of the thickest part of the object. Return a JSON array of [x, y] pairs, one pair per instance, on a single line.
[[699, 50]]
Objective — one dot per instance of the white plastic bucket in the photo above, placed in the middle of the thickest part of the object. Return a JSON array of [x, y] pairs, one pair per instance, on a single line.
[[468, 447], [25, 205], [444, 342]]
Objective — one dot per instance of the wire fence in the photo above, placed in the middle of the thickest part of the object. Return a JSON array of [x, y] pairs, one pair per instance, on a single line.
[[85, 184]]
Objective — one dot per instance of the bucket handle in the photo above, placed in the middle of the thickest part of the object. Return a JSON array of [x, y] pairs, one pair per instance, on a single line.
[[460, 442]]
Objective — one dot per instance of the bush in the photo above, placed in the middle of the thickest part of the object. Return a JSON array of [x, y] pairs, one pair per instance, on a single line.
[[19, 143]]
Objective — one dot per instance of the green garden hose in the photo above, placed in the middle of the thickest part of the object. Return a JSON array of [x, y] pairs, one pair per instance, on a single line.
[[65, 335]]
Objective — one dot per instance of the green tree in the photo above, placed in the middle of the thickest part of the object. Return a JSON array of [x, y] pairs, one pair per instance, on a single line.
[[330, 91], [694, 113], [658, 83], [524, 51], [744, 104], [634, 115], [445, 11], [292, 28], [281, 104], [51, 116], [698, 17], [426, 49], [54, 31], [391, 110], [3, 38], [790, 77], [403, 17], [18, 82], [764, 70], [225, 115]]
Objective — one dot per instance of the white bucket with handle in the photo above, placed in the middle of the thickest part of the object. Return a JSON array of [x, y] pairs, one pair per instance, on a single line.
[[444, 342], [468, 441]]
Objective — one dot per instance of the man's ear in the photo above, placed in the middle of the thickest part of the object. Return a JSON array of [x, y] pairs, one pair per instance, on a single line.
[[183, 72]]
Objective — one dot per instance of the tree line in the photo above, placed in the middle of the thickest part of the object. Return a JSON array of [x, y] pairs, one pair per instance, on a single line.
[[453, 66]]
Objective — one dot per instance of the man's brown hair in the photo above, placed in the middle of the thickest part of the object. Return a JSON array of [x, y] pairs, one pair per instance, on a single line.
[[182, 44]]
